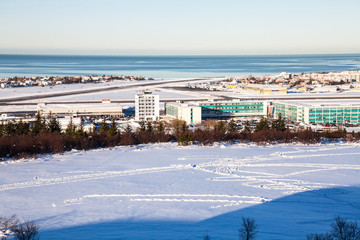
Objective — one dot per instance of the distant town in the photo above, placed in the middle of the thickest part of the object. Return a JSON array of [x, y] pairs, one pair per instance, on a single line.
[[330, 113], [58, 80], [280, 84], [289, 82]]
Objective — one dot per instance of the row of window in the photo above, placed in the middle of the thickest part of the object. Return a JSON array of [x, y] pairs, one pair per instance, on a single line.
[[231, 104]]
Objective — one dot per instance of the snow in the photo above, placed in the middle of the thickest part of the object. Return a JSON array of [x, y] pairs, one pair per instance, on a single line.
[[164, 191], [29, 91], [128, 94], [8, 93]]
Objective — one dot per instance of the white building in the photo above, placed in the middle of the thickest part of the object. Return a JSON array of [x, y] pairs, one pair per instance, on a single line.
[[99, 109], [147, 106], [65, 121], [189, 113]]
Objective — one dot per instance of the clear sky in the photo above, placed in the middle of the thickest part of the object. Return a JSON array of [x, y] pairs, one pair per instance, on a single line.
[[144, 27]]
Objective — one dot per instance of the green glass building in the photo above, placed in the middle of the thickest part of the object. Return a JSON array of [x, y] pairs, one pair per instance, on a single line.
[[336, 112], [223, 109]]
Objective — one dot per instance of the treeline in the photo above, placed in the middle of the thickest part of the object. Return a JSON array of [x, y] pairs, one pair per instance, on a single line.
[[21, 139], [341, 229]]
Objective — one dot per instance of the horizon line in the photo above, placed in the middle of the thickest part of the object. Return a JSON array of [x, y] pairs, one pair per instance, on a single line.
[[180, 55]]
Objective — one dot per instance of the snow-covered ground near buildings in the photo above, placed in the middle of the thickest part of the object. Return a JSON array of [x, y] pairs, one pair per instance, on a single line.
[[128, 94], [28, 91], [164, 191], [7, 93]]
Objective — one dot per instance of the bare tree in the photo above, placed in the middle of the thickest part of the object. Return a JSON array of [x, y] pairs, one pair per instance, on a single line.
[[206, 237], [26, 231], [342, 229], [7, 226], [248, 229]]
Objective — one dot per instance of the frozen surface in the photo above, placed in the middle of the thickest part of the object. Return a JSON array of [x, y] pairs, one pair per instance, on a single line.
[[168, 192]]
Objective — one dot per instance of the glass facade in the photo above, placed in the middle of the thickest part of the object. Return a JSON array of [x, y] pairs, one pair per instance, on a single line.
[[337, 114], [214, 109], [171, 110], [291, 112]]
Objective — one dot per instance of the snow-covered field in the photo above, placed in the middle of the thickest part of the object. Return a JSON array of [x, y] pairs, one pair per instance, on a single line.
[[28, 91], [8, 93], [168, 192]]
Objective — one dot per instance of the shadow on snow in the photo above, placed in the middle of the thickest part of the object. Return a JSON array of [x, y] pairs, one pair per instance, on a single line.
[[288, 218]]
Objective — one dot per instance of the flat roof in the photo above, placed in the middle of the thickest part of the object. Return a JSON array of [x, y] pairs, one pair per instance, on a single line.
[[322, 103], [231, 101], [182, 104], [105, 106]]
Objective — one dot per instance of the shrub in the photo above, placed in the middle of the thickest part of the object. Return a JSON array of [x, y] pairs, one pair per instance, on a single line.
[[185, 139], [26, 231]]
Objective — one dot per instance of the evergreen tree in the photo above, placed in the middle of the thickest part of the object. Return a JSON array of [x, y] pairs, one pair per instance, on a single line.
[[70, 129], [160, 128], [142, 126], [39, 126], [54, 125], [184, 139], [220, 126], [262, 125], [113, 129], [22, 128], [232, 126], [80, 129], [128, 129], [278, 124], [247, 127], [2, 126], [184, 127], [9, 128], [104, 127], [149, 127]]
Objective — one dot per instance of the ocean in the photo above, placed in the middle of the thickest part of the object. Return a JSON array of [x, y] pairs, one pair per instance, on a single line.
[[173, 66]]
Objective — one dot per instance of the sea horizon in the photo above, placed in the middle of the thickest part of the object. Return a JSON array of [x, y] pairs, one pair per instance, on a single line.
[[178, 55], [173, 66]]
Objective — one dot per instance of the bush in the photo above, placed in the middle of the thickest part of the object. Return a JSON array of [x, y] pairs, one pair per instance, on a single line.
[[27, 231], [7, 226], [21, 144], [185, 139]]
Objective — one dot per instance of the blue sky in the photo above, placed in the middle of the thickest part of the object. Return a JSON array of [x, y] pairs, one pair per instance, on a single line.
[[179, 27]]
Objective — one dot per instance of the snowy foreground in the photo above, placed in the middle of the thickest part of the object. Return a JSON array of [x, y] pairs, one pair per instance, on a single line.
[[169, 192]]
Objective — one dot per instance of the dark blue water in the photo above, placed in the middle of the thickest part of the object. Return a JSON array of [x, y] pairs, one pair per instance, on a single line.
[[173, 66]]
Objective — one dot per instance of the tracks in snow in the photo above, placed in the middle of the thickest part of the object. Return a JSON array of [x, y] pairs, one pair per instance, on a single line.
[[259, 171], [91, 176], [224, 200]]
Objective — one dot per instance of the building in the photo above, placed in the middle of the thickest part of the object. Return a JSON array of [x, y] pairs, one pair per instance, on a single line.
[[187, 112], [291, 111], [147, 106], [310, 112], [235, 108], [65, 121], [109, 109]]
